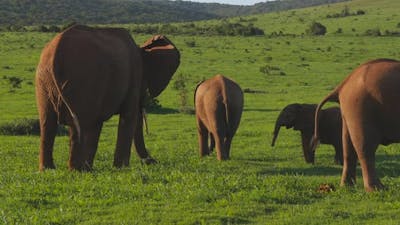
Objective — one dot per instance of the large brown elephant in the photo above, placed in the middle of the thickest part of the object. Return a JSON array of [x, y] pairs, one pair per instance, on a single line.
[[85, 76], [219, 106], [301, 117], [368, 100]]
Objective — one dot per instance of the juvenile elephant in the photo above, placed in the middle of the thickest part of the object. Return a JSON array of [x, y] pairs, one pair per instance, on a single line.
[[85, 76], [219, 106], [368, 100], [301, 117]]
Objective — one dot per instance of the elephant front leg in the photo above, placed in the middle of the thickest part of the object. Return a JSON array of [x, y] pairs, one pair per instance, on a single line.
[[349, 158], [139, 143], [338, 154], [124, 141], [91, 141], [309, 155]]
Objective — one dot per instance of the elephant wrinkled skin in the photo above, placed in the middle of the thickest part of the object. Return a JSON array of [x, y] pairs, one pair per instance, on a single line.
[[86, 75], [301, 117], [368, 100], [219, 106]]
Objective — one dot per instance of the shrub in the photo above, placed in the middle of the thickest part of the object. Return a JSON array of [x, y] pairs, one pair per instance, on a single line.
[[190, 43], [316, 29], [15, 82], [339, 31], [181, 87], [373, 32], [267, 69], [360, 12], [25, 127]]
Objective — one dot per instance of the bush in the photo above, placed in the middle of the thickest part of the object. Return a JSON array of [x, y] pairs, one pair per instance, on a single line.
[[373, 32], [190, 43], [316, 29], [339, 31], [181, 87], [25, 127], [267, 69]]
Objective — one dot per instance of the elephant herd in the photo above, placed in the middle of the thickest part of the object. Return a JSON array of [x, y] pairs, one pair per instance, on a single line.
[[86, 75]]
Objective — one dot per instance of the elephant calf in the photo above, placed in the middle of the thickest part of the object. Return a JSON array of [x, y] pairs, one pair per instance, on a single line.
[[219, 106], [301, 117]]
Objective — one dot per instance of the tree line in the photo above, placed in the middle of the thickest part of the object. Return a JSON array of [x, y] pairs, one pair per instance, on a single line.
[[37, 12]]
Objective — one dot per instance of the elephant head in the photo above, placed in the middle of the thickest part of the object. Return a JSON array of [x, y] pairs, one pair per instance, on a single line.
[[298, 117], [160, 61]]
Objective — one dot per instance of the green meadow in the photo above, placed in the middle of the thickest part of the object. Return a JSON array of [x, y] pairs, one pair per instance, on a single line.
[[260, 184]]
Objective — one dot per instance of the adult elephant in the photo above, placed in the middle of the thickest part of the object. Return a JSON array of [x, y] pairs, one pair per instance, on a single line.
[[219, 106], [85, 76], [368, 100], [301, 117]]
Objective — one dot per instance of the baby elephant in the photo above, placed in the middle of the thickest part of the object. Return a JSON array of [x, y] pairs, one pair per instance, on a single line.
[[219, 105], [301, 117]]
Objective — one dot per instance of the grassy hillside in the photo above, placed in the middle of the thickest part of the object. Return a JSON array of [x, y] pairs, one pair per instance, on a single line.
[[57, 12], [260, 184]]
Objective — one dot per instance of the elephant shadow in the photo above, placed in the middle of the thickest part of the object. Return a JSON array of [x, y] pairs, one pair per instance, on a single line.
[[162, 111], [387, 165], [260, 110]]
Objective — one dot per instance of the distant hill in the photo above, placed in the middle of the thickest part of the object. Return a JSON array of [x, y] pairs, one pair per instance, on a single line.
[[34, 12]]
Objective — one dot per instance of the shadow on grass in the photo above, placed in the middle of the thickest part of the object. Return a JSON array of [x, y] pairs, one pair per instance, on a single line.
[[386, 165], [260, 110], [162, 111], [309, 171]]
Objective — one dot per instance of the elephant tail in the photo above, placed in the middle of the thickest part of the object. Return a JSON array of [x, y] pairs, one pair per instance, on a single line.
[[144, 114], [332, 97], [73, 115], [195, 92]]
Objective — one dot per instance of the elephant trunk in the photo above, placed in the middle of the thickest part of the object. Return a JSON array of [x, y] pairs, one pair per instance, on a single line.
[[278, 125]]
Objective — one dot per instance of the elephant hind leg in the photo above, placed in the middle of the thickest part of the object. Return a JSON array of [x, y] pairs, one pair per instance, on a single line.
[[366, 144], [212, 142], [349, 158], [203, 138], [48, 130], [222, 148]]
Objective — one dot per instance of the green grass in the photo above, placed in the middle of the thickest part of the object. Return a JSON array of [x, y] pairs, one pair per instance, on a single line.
[[259, 185]]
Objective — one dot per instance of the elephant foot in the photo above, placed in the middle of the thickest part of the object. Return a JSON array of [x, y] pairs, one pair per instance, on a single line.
[[376, 186], [223, 158], [203, 154], [47, 166], [348, 182], [149, 160], [80, 167]]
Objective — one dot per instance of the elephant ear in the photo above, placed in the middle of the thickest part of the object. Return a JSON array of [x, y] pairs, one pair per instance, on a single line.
[[160, 61]]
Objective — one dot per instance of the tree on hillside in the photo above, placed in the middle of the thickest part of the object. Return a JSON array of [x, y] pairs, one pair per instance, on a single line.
[[316, 28]]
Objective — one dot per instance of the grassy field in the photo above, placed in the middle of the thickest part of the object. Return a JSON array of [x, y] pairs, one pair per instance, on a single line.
[[259, 185]]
